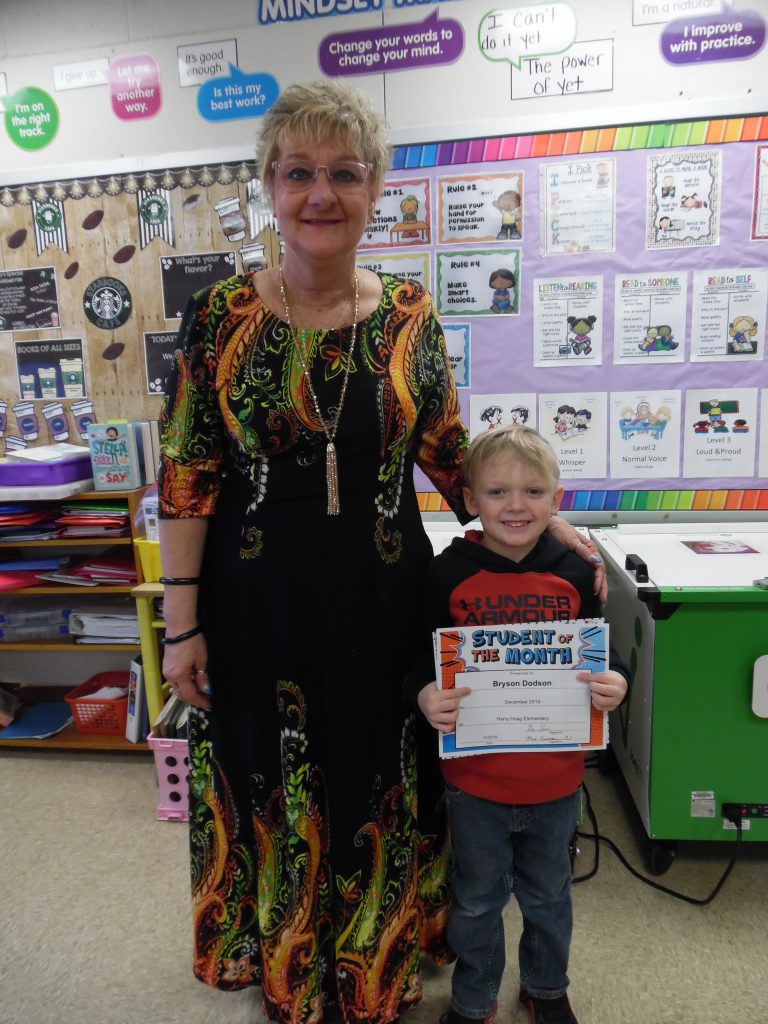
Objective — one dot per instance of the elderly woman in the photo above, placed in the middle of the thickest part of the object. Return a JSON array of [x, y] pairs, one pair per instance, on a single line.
[[293, 551]]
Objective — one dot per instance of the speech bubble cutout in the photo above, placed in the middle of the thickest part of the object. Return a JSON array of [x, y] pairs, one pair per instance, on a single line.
[[134, 86], [534, 31], [238, 95], [730, 35], [31, 118], [394, 48]]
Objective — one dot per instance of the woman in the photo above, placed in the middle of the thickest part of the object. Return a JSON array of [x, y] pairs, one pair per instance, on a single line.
[[293, 551]]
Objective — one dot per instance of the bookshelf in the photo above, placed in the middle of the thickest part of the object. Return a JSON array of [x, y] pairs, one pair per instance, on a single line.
[[62, 659]]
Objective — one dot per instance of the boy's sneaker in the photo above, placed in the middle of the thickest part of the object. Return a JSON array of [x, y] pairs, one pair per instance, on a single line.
[[548, 1011], [452, 1017]]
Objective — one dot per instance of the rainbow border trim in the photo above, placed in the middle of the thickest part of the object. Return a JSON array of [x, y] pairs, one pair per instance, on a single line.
[[753, 500], [602, 140], [590, 140]]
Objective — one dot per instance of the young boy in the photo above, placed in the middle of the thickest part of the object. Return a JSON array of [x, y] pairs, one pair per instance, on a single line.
[[512, 815]]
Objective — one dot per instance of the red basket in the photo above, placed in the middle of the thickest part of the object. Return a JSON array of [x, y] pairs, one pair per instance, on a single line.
[[99, 717]]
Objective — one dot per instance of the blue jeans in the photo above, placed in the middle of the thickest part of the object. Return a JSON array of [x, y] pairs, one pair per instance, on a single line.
[[501, 849]]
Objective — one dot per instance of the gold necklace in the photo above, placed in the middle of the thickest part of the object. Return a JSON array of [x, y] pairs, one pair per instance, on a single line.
[[331, 465]]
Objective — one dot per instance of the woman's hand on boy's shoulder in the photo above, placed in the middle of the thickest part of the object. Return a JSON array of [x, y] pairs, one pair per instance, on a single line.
[[585, 548], [441, 707]]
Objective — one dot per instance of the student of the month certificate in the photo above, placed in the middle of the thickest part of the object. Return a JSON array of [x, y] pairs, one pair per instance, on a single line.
[[525, 694]]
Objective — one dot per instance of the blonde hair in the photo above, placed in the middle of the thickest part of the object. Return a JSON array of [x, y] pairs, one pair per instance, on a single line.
[[518, 442], [325, 111]]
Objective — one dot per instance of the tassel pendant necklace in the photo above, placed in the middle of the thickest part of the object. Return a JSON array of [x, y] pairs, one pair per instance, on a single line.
[[329, 429]]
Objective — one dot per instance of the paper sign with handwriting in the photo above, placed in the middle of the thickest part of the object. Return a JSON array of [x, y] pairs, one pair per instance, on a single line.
[[525, 692]]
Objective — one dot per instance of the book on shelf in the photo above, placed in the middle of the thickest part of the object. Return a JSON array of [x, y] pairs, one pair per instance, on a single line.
[[117, 455], [137, 703], [150, 435]]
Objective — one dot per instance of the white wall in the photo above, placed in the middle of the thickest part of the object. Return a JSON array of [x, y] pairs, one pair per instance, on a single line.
[[469, 98]]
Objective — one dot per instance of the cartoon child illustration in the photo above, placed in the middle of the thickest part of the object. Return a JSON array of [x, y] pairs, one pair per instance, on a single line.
[[564, 421], [112, 433], [664, 227], [508, 204], [740, 427], [742, 331], [701, 427], [602, 175], [667, 187], [492, 416], [719, 427], [692, 202], [580, 327], [714, 411], [409, 208], [583, 417], [519, 415], [503, 283], [658, 339]]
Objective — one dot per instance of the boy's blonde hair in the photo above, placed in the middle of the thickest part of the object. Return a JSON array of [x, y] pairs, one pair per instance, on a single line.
[[519, 442], [325, 111]]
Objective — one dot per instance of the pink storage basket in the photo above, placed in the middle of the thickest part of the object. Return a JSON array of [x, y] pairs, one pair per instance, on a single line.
[[172, 766]]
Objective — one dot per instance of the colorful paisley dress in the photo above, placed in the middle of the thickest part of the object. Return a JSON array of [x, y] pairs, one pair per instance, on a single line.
[[316, 873]]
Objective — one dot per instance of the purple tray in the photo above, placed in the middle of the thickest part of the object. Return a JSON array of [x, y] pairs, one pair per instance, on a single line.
[[27, 474]]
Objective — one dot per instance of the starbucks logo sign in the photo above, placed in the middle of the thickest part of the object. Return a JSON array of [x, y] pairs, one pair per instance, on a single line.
[[107, 303], [154, 209], [48, 217]]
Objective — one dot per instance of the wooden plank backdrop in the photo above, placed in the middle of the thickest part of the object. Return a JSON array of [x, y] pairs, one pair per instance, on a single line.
[[103, 238]]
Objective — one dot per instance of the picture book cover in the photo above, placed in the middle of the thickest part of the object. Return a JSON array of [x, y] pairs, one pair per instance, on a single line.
[[116, 455]]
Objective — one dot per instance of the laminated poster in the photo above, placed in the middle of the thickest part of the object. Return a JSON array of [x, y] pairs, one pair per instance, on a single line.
[[683, 202], [729, 309], [568, 321], [574, 422], [578, 206], [525, 694], [402, 215], [480, 208], [457, 341], [719, 432], [486, 412], [414, 265], [644, 429], [649, 320], [478, 282], [760, 200]]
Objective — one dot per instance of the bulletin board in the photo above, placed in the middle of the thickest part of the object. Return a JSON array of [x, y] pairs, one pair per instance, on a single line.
[[608, 286]]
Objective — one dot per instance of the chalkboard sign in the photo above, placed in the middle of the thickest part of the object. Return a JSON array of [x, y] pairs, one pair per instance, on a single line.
[[28, 299], [159, 347], [183, 275]]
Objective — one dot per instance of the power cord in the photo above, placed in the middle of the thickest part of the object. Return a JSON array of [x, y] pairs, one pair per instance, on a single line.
[[735, 817]]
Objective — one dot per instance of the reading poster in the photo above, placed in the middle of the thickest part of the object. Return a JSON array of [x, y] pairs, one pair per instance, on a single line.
[[578, 206], [719, 435], [574, 422], [568, 321], [645, 433], [683, 204], [649, 317], [729, 308]]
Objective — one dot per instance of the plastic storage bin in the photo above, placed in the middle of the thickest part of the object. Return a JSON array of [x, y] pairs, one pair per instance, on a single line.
[[149, 556], [99, 717], [172, 766]]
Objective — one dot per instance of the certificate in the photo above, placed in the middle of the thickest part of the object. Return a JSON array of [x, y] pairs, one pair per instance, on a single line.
[[525, 692]]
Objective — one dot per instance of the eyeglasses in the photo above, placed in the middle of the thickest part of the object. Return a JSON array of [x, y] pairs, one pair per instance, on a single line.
[[299, 175]]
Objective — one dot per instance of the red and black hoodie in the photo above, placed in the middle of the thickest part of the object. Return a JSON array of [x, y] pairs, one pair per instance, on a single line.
[[468, 585]]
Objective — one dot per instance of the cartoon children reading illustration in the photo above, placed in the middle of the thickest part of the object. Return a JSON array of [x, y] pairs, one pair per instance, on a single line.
[[658, 339], [409, 208], [503, 283], [508, 204], [580, 327], [565, 422], [741, 332], [492, 416]]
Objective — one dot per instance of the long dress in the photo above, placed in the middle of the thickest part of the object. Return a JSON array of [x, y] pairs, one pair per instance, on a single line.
[[315, 871]]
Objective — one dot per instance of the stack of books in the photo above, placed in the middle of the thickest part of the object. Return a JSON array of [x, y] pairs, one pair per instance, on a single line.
[[23, 521], [81, 519], [109, 623], [115, 568]]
